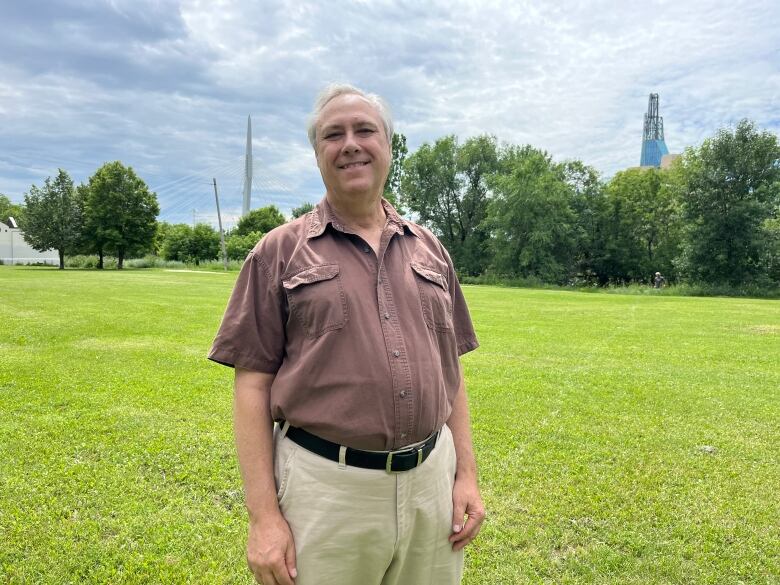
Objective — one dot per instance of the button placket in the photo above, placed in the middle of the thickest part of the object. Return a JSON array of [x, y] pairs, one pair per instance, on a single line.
[[394, 342]]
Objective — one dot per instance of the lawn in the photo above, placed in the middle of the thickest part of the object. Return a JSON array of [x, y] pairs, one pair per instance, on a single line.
[[621, 439]]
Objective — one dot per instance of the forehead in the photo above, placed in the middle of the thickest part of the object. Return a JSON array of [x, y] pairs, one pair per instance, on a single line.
[[348, 109]]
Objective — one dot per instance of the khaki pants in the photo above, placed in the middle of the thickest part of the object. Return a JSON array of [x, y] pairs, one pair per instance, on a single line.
[[355, 526]]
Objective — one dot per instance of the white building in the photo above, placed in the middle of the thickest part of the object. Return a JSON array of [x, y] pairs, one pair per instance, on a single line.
[[14, 250]]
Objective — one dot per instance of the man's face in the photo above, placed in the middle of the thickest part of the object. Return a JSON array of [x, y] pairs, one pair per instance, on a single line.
[[352, 150]]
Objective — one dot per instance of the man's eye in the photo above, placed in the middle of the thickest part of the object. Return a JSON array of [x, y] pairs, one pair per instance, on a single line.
[[366, 131], [332, 135]]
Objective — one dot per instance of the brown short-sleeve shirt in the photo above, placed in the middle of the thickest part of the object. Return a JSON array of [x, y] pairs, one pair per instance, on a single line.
[[364, 346]]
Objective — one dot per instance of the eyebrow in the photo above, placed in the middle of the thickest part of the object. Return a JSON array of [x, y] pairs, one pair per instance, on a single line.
[[358, 124]]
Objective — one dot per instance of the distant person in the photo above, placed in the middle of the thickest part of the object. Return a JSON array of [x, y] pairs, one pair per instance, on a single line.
[[345, 327], [659, 281]]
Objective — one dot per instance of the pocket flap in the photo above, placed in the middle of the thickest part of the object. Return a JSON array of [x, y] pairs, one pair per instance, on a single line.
[[431, 275], [311, 274]]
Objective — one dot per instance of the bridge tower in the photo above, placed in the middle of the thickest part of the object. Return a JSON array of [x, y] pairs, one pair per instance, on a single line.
[[248, 168]]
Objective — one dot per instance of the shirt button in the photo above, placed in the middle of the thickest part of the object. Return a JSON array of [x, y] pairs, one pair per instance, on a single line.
[[403, 393], [403, 435], [387, 315], [396, 353]]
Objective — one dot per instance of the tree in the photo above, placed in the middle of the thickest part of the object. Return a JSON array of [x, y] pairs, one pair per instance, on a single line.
[[161, 234], [176, 242], [589, 205], [446, 185], [532, 218], [204, 244], [642, 224], [261, 220], [52, 218], [731, 188], [302, 210], [392, 190], [239, 246], [120, 213], [188, 244], [8, 209]]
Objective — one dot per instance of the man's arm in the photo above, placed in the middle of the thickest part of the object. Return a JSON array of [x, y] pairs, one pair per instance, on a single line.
[[466, 500], [270, 546]]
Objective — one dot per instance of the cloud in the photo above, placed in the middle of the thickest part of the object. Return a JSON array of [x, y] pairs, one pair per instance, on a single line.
[[166, 86]]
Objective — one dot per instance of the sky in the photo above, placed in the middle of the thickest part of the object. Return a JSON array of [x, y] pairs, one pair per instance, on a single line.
[[166, 86]]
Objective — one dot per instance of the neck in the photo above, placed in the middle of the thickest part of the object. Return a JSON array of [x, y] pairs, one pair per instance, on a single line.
[[362, 212]]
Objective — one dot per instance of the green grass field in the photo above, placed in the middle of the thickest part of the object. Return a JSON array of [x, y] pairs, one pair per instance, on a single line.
[[621, 439]]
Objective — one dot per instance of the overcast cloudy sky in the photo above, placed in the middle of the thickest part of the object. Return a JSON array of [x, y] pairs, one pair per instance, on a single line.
[[166, 86]]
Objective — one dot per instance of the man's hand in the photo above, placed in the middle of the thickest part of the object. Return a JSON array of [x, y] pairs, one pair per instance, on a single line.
[[270, 551], [466, 501]]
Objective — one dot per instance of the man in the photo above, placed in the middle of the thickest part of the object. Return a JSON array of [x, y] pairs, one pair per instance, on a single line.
[[345, 326], [658, 280]]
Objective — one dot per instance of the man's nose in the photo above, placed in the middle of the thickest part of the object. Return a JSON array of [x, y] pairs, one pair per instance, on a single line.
[[350, 143]]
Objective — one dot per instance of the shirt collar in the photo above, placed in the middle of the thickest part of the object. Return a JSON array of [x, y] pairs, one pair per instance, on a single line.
[[324, 214]]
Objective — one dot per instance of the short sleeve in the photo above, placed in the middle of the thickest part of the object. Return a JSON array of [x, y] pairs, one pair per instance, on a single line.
[[252, 333], [465, 336]]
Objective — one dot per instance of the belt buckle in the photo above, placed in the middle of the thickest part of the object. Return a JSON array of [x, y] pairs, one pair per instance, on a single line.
[[389, 463]]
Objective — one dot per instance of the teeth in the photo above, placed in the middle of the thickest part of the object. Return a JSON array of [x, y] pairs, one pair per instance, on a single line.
[[354, 164]]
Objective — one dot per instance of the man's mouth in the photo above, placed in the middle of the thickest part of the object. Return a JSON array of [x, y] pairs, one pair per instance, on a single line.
[[353, 165]]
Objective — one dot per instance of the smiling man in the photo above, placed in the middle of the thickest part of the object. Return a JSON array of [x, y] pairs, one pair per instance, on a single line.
[[345, 327]]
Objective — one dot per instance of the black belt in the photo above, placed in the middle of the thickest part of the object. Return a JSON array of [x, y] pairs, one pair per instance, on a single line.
[[390, 461]]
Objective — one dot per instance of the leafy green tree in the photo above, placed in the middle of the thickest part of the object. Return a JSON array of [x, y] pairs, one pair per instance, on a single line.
[[8, 209], [589, 204], [176, 242], [52, 218], [643, 225], [392, 191], [238, 246], [120, 213], [534, 225], [190, 244], [204, 244], [262, 220], [302, 210], [161, 233], [771, 235], [446, 186], [732, 187]]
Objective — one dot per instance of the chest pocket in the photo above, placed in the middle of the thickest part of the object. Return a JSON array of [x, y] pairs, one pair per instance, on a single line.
[[316, 298], [434, 297]]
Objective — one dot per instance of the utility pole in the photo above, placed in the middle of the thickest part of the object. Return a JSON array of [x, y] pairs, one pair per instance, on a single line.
[[221, 233]]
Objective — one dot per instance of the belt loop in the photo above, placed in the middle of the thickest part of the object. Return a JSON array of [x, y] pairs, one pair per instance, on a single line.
[[285, 426], [342, 457]]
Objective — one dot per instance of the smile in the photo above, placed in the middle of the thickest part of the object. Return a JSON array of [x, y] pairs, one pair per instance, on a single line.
[[353, 165]]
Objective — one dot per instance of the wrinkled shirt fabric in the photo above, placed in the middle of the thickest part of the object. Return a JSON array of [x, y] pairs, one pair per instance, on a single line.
[[364, 345]]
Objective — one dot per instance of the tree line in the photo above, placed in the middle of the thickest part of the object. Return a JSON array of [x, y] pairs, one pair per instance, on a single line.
[[115, 213], [512, 211], [502, 211]]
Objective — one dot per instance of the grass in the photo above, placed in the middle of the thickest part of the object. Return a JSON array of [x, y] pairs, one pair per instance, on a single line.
[[621, 438]]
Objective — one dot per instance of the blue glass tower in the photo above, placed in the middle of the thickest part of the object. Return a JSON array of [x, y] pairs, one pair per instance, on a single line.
[[653, 145]]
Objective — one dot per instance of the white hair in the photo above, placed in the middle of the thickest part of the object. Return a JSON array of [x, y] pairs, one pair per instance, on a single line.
[[335, 90]]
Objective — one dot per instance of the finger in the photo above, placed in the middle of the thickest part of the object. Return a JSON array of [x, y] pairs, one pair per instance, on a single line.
[[461, 544], [265, 577], [469, 531], [458, 512], [289, 561], [282, 576]]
